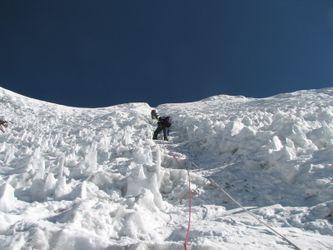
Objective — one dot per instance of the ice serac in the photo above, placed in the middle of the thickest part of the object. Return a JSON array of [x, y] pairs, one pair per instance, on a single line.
[[79, 178], [7, 198]]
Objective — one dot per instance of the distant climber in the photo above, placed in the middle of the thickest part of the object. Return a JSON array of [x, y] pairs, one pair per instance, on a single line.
[[3, 125], [163, 124]]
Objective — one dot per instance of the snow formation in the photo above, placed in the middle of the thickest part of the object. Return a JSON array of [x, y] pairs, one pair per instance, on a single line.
[[75, 178]]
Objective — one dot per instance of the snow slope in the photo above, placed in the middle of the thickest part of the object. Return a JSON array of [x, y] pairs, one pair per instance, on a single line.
[[74, 178]]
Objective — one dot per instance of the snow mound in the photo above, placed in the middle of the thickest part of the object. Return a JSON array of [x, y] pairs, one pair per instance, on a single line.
[[79, 178]]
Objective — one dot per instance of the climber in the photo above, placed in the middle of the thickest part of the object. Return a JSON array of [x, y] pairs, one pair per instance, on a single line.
[[163, 124], [3, 125]]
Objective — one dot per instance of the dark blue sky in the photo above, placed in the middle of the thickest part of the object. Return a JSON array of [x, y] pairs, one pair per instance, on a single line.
[[105, 52]]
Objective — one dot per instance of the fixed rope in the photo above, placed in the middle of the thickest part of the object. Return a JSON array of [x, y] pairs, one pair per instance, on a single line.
[[187, 235], [250, 213]]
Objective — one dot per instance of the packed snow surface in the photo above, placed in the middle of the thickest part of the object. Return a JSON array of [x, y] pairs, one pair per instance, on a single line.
[[75, 178]]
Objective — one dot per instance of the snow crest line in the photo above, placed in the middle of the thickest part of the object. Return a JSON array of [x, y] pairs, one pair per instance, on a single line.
[[250, 213]]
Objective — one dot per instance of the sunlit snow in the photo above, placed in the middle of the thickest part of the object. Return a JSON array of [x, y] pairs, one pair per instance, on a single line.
[[75, 178]]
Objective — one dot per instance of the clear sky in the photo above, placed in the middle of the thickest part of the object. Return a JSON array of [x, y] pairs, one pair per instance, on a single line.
[[106, 52]]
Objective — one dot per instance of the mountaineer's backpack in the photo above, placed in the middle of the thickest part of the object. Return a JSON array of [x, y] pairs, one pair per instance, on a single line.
[[165, 121]]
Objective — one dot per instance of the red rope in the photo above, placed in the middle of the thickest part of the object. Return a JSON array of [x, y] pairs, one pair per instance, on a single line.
[[187, 237]]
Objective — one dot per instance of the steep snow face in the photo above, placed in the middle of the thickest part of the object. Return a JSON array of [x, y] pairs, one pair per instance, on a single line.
[[281, 145], [73, 178]]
